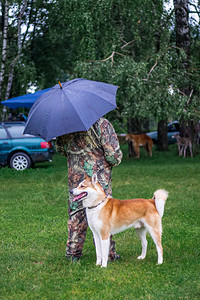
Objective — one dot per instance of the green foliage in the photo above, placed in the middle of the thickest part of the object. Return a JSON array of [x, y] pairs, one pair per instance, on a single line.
[[127, 43], [148, 70], [25, 75], [147, 89]]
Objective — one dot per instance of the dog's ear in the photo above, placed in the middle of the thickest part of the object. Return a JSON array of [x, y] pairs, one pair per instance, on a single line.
[[94, 179], [86, 177]]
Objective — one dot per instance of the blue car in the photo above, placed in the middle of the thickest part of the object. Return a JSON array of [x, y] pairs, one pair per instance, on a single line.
[[20, 151], [172, 129]]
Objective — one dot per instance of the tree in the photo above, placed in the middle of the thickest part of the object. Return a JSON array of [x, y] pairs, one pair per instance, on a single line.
[[127, 43], [12, 46], [154, 92], [131, 64], [188, 89], [4, 43]]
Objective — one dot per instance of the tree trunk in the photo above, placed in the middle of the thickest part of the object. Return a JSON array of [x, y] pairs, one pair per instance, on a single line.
[[182, 28], [19, 22], [4, 46], [10, 78], [162, 135], [19, 47], [134, 126], [162, 124]]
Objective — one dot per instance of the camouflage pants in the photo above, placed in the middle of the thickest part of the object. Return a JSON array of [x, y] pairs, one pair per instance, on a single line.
[[77, 229]]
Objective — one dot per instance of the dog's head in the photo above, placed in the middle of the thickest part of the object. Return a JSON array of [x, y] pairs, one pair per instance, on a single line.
[[128, 136], [175, 136], [89, 191]]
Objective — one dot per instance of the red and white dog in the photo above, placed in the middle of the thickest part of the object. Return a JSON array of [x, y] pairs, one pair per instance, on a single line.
[[107, 216]]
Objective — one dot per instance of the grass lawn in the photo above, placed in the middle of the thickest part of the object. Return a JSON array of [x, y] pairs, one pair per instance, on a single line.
[[33, 220]]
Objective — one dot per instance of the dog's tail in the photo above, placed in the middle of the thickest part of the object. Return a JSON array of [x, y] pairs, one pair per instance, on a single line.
[[160, 197]]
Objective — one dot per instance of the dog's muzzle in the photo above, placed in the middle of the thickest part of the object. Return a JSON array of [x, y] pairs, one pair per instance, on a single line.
[[80, 196]]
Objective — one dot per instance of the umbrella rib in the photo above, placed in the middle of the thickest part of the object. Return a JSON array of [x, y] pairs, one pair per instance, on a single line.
[[73, 108]]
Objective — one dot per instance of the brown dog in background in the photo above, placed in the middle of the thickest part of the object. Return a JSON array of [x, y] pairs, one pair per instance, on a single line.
[[183, 143], [139, 140]]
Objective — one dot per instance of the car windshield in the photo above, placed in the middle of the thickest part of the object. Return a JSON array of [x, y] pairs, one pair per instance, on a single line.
[[17, 131], [173, 127]]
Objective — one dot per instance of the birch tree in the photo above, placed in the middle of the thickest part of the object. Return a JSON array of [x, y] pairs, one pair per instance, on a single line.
[[15, 15], [4, 44], [19, 49]]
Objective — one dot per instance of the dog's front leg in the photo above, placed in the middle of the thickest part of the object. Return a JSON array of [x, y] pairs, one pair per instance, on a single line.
[[185, 150], [105, 245], [141, 232], [97, 242], [179, 150]]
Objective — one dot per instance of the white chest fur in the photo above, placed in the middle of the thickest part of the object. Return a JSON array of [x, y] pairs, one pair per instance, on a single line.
[[94, 222]]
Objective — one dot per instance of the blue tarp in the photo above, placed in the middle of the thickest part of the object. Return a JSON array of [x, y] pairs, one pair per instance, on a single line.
[[25, 100]]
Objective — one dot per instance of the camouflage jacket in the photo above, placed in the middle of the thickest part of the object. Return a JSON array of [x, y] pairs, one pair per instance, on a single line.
[[96, 150]]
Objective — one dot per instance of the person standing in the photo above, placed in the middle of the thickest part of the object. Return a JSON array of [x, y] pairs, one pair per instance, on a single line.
[[94, 151]]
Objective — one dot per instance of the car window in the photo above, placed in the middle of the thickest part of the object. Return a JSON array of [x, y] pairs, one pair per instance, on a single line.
[[171, 128], [3, 134], [177, 126], [17, 131]]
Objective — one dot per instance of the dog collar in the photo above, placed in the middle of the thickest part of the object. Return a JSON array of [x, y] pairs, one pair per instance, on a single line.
[[97, 204]]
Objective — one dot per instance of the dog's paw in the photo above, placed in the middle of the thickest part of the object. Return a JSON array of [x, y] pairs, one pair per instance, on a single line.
[[160, 260], [141, 257], [98, 263]]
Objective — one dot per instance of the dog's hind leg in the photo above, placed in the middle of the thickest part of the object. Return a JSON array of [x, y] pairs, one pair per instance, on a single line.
[[97, 242], [156, 233], [141, 232], [105, 245]]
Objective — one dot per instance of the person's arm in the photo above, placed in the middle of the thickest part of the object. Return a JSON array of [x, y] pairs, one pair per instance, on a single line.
[[60, 146], [110, 143]]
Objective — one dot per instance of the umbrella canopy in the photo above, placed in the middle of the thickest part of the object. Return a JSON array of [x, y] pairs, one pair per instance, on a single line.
[[24, 101], [70, 107]]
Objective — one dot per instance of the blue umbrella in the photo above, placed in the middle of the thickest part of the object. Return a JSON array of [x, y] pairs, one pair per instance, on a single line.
[[24, 101], [70, 107]]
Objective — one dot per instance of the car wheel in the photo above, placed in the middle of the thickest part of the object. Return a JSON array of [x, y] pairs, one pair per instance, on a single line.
[[20, 161]]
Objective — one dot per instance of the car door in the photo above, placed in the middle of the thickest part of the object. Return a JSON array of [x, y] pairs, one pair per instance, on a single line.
[[5, 145]]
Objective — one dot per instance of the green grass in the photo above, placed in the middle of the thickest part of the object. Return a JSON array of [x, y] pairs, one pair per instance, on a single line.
[[33, 220]]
